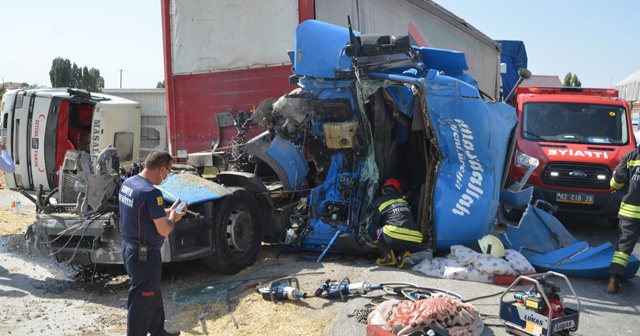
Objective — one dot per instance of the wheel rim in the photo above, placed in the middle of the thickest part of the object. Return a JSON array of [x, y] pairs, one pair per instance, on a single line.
[[239, 231]]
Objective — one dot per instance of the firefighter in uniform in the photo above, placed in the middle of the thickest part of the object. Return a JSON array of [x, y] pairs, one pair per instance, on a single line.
[[393, 227], [627, 172], [144, 223]]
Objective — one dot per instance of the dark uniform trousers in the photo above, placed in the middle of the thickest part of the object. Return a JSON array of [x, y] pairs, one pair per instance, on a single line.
[[144, 304], [386, 244], [629, 234]]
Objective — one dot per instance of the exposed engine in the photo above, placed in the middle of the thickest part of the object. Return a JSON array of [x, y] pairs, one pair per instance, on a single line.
[[348, 148]]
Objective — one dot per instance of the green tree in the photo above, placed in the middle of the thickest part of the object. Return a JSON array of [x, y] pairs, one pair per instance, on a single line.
[[76, 77], [65, 74], [160, 85], [567, 79], [60, 73], [571, 80], [85, 78], [575, 81]]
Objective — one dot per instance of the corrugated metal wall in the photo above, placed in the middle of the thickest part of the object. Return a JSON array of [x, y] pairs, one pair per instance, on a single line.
[[153, 134]]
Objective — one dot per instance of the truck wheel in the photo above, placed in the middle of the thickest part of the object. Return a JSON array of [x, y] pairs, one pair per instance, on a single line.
[[613, 222], [237, 233]]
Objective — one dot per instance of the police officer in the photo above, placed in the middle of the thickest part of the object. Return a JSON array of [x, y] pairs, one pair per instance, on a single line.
[[393, 227], [144, 223], [627, 172]]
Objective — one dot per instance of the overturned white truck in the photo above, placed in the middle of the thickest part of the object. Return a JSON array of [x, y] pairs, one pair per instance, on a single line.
[[368, 107], [40, 125]]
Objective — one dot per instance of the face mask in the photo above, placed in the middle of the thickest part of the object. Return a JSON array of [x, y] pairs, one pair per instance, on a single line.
[[163, 180]]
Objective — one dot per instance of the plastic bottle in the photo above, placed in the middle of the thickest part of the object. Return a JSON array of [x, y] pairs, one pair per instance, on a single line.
[[18, 207], [13, 205]]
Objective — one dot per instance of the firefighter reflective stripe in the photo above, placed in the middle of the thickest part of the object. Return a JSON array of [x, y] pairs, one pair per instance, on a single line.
[[620, 258], [630, 164], [615, 185], [389, 202], [401, 233], [629, 210], [633, 163], [627, 172]]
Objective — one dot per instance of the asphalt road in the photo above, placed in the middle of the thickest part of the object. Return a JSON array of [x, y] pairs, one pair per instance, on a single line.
[[601, 313]]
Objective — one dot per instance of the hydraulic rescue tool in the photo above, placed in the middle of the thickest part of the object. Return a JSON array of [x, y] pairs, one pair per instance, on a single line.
[[540, 310], [343, 288], [282, 289]]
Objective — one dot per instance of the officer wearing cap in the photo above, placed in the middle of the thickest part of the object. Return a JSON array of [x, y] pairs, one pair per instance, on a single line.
[[393, 227]]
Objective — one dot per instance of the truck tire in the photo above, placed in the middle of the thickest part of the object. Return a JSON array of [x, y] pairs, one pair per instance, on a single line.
[[237, 233]]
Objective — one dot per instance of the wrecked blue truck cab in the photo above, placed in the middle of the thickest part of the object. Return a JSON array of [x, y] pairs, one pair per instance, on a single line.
[[370, 107]]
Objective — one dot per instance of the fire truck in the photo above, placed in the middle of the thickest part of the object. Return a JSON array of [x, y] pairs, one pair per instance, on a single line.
[[576, 136]]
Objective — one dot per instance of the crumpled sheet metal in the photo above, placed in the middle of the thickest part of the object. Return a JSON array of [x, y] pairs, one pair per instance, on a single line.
[[191, 188]]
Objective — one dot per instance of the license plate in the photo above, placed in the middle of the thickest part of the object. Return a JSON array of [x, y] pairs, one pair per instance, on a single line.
[[574, 198]]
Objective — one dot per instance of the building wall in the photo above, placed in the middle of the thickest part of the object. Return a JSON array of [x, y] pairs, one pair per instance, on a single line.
[[153, 134]]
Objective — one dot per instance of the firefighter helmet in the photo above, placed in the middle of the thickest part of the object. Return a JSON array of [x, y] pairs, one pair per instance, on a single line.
[[492, 245], [391, 182]]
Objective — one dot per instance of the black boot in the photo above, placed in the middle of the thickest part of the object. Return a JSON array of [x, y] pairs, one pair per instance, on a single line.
[[614, 284]]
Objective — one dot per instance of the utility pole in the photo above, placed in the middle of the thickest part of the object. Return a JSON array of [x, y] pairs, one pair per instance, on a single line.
[[121, 78]]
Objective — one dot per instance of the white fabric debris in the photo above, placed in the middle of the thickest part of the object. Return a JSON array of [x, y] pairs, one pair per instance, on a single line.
[[464, 263]]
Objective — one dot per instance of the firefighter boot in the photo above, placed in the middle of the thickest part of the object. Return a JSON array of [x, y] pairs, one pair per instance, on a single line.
[[614, 284], [387, 260], [405, 261]]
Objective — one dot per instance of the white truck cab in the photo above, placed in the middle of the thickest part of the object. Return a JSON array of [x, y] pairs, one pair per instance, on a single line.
[[40, 125]]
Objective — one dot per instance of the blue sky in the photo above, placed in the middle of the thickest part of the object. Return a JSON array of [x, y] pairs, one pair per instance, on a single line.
[[594, 39], [106, 35]]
